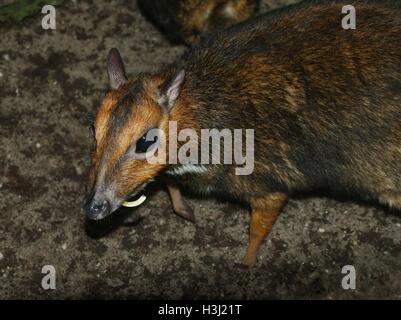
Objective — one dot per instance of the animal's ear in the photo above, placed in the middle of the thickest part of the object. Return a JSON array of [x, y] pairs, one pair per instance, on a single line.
[[169, 91], [115, 69]]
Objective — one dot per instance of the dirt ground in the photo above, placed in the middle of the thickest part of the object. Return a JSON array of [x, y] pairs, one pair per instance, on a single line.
[[50, 82]]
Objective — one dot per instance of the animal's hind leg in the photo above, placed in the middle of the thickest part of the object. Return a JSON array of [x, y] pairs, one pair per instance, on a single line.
[[391, 198], [264, 214]]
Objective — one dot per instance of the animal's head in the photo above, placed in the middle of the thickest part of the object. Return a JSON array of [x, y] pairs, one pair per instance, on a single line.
[[124, 130]]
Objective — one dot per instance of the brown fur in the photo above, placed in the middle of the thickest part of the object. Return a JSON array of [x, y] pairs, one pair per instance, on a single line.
[[325, 104]]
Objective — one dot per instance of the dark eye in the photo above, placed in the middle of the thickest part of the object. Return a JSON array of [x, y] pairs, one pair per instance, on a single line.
[[142, 145]]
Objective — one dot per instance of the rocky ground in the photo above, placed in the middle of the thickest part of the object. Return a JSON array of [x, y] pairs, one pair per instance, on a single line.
[[50, 82]]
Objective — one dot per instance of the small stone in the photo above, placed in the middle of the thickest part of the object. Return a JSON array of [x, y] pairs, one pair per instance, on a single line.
[[1, 74], [6, 57], [38, 145], [1, 256], [398, 225], [321, 230], [78, 169], [64, 246]]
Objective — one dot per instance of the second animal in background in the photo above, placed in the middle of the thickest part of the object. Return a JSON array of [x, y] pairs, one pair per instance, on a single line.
[[186, 20]]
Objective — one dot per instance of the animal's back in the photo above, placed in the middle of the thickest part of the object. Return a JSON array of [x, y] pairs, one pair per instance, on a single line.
[[325, 102]]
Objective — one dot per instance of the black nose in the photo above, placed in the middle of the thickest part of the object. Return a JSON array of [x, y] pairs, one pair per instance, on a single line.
[[97, 210]]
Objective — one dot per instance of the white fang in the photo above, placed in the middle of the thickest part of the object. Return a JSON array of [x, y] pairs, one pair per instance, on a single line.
[[187, 168]]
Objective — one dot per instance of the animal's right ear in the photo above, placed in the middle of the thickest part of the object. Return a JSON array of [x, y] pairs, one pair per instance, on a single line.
[[115, 69], [170, 90]]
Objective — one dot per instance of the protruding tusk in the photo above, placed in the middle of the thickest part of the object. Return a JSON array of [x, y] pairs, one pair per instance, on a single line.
[[135, 203]]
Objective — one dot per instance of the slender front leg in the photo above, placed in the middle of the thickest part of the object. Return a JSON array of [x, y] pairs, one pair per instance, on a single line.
[[180, 206], [264, 212]]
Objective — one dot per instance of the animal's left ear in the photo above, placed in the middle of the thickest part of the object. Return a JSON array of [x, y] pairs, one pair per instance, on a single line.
[[115, 69], [169, 91]]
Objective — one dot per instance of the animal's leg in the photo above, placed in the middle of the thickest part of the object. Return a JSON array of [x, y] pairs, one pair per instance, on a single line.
[[264, 212], [391, 198], [180, 206]]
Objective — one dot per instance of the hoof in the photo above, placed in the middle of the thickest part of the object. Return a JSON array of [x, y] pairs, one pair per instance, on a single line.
[[249, 261], [187, 213]]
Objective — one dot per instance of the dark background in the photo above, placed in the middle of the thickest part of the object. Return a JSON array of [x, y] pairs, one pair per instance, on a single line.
[[50, 82]]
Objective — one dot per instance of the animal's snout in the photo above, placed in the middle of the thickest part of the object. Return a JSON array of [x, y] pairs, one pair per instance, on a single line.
[[97, 210]]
